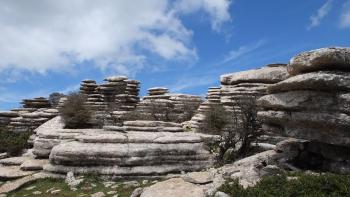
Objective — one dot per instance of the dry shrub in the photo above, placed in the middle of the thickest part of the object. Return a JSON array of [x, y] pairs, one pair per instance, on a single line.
[[75, 113]]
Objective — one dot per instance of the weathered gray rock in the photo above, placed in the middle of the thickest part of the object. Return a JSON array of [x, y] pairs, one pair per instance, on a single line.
[[331, 81], [173, 188], [12, 172], [335, 58], [14, 161], [71, 181], [137, 192], [198, 177], [263, 75], [221, 194], [34, 164], [307, 101]]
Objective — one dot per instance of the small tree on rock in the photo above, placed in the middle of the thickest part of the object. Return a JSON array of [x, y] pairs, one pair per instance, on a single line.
[[75, 113]]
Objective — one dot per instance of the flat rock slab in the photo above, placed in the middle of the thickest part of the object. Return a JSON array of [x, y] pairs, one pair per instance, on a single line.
[[14, 161], [173, 188], [13, 185], [198, 177], [262, 75], [34, 164], [331, 81], [12, 172]]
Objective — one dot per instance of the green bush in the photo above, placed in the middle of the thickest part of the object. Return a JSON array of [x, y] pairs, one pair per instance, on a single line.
[[13, 143], [301, 185], [216, 119], [75, 113]]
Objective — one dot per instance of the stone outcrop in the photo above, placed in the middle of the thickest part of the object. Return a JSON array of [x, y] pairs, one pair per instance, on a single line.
[[5, 117], [51, 134], [213, 98], [165, 106], [131, 154], [112, 99], [238, 88], [313, 104], [34, 113], [335, 58]]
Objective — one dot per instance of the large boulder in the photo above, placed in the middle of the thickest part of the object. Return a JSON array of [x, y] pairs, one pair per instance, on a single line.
[[262, 75], [132, 153], [334, 58]]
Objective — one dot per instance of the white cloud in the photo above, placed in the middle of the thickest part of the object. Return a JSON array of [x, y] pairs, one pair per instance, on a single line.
[[321, 13], [42, 36], [243, 50], [217, 9], [345, 15], [192, 82]]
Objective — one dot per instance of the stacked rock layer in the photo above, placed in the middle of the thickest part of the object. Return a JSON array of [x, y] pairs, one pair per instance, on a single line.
[[139, 148], [164, 106], [131, 154], [213, 98], [34, 113], [314, 104], [112, 99]]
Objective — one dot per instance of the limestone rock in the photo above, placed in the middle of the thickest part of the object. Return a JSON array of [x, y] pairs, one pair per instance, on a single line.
[[33, 164], [330, 81], [198, 177], [335, 58], [137, 192], [263, 75], [173, 188], [14, 161], [71, 181], [221, 194], [12, 172]]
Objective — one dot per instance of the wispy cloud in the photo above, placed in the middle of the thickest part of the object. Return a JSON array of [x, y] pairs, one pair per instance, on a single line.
[[315, 20], [192, 82], [243, 50], [345, 15]]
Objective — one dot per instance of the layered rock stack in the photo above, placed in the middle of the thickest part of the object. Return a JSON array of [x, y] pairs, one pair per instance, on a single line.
[[162, 105], [156, 91], [113, 86], [34, 113], [128, 100], [152, 126], [89, 88], [132, 153], [243, 87], [314, 103], [213, 98], [5, 118], [111, 100], [36, 103]]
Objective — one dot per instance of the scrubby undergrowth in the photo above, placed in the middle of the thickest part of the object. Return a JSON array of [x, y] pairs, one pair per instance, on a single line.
[[293, 185], [13, 143], [91, 185]]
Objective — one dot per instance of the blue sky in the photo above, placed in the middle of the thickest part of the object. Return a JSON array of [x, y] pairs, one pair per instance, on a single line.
[[48, 46]]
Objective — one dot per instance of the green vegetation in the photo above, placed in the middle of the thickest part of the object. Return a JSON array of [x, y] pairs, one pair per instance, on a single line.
[[238, 127], [74, 112], [13, 143], [293, 185], [90, 185], [216, 119]]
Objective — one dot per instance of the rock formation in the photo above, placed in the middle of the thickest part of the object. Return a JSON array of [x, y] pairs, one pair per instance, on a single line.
[[164, 106], [213, 98], [314, 104], [34, 113]]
